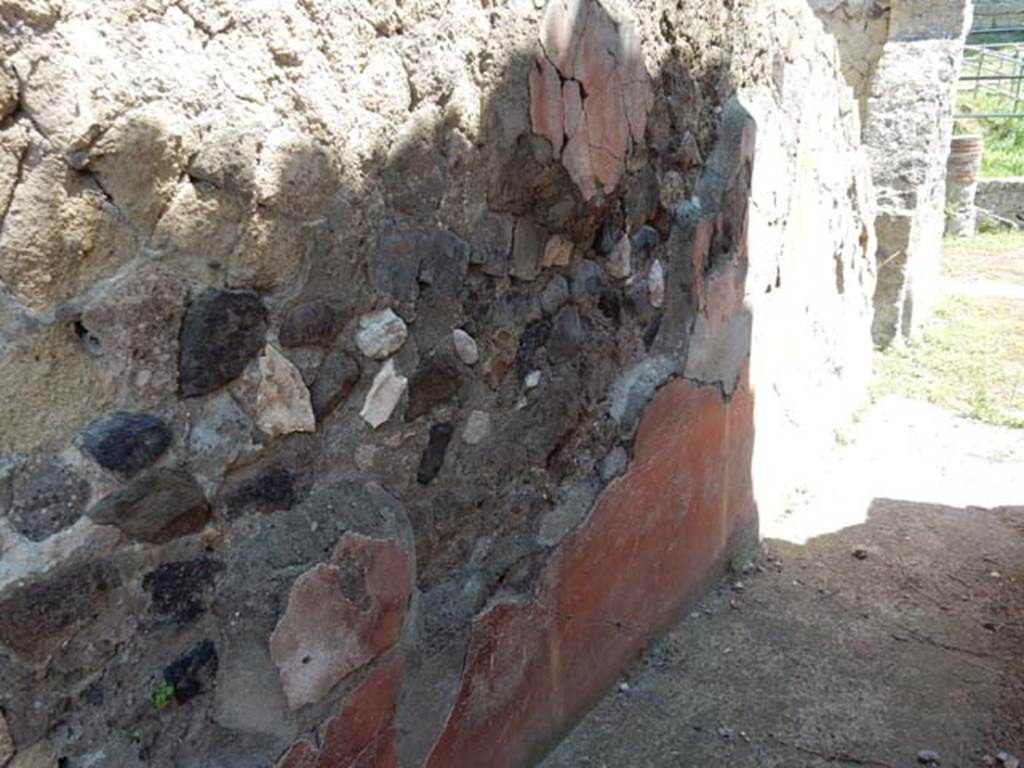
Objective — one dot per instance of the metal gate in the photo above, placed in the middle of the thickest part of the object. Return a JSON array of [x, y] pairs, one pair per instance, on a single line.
[[996, 69]]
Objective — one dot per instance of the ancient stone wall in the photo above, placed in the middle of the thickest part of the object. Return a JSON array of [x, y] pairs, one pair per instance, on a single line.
[[1003, 197], [377, 378], [860, 29], [998, 14]]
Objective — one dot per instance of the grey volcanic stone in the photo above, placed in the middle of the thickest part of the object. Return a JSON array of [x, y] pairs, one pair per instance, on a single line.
[[46, 498], [527, 249], [555, 294], [221, 333], [567, 335], [311, 323], [645, 238], [156, 507], [41, 613], [433, 455], [445, 263], [394, 269], [334, 382], [126, 442], [492, 243], [586, 278], [218, 436]]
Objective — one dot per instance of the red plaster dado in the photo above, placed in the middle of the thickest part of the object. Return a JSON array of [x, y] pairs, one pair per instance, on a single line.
[[360, 734], [655, 538]]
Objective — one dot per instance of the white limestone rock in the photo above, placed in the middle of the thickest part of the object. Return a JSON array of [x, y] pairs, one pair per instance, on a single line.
[[381, 334], [385, 392], [282, 400]]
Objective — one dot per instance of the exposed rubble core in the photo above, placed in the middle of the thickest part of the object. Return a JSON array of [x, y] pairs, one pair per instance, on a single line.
[[378, 378]]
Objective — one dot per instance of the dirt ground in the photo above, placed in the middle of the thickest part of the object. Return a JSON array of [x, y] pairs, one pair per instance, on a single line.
[[882, 623], [820, 658]]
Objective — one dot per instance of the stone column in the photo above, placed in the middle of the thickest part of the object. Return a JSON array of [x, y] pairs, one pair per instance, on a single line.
[[907, 130], [962, 185]]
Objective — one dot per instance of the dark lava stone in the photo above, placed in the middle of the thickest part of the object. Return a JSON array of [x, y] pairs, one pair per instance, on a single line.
[[263, 489], [179, 589], [567, 335], [46, 498], [433, 455], [221, 332], [534, 337], [193, 672], [126, 442], [334, 382]]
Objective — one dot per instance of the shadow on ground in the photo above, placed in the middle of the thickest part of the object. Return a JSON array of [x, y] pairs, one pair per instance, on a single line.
[[862, 647]]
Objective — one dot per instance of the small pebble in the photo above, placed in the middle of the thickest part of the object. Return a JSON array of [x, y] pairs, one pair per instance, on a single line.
[[860, 553], [478, 427], [656, 284], [1008, 761], [532, 379], [928, 757], [465, 347]]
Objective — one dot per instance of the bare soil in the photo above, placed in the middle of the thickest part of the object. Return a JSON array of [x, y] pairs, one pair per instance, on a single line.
[[820, 658]]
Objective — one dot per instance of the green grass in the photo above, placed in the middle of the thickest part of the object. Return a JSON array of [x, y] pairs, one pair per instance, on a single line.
[[984, 38], [969, 357], [1004, 137], [969, 360], [986, 256], [162, 695]]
